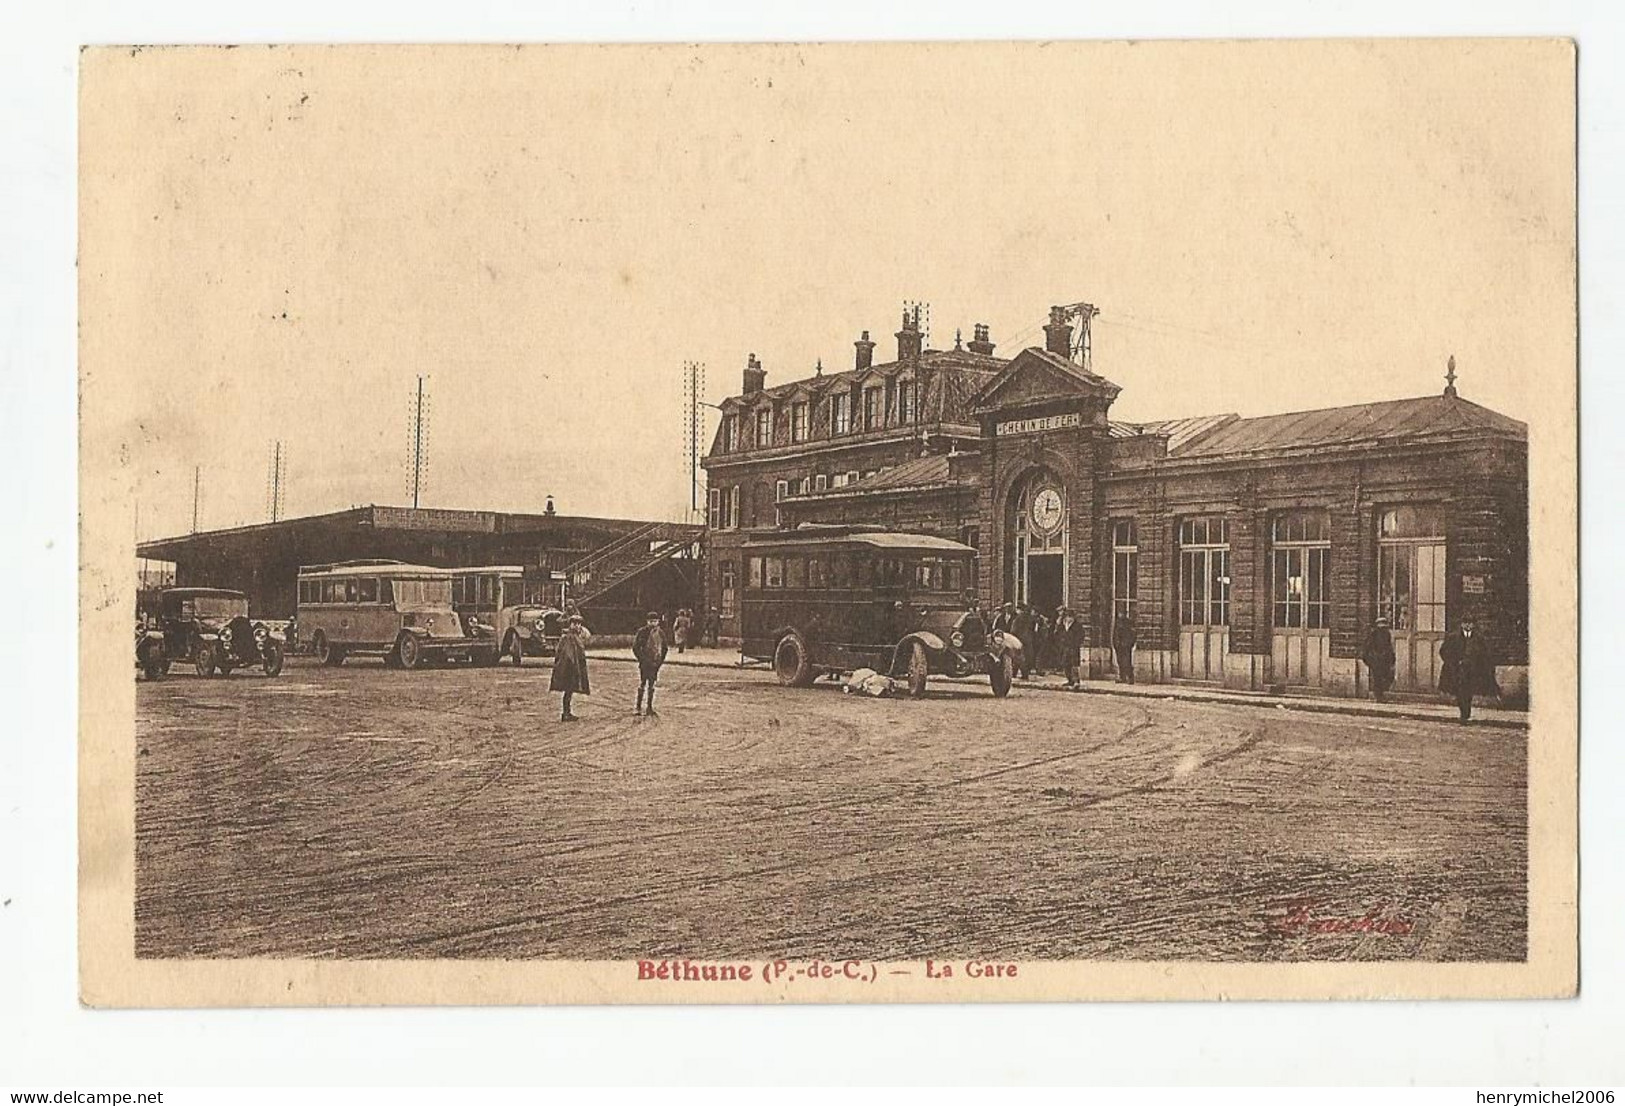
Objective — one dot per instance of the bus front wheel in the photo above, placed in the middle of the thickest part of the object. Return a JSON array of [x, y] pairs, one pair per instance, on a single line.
[[791, 662], [1003, 675], [919, 666]]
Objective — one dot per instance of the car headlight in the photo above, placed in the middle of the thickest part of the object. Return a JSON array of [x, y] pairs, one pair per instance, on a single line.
[[958, 640], [225, 633], [261, 633]]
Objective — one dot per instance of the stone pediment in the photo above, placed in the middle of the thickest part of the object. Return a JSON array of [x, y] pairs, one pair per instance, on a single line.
[[1036, 376]]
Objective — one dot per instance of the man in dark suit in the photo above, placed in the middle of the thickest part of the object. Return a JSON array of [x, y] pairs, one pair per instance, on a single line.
[[1467, 669]]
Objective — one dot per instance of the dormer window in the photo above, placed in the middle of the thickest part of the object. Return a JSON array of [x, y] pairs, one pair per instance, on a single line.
[[798, 422], [840, 413], [764, 426], [727, 435], [905, 400], [873, 408]]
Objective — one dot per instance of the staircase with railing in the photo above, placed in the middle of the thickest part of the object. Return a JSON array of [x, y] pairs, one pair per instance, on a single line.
[[626, 557]]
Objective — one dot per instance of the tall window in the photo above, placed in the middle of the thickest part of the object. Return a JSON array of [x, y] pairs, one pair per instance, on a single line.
[[840, 413], [1125, 570], [729, 571], [1204, 572], [764, 426], [820, 482], [727, 435], [1301, 567], [713, 508], [873, 408], [733, 508], [798, 422], [1410, 568], [905, 400], [780, 492]]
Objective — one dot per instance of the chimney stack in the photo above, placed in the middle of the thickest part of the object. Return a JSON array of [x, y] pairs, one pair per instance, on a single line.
[[755, 376], [866, 352], [1058, 334], [980, 343], [909, 338]]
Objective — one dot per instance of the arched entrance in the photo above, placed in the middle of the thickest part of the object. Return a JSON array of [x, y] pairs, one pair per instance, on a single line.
[[1038, 529]]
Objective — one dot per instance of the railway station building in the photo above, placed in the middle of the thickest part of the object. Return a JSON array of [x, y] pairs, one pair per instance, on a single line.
[[1252, 553]]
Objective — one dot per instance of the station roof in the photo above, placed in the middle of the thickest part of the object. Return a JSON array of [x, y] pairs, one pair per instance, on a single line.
[[858, 535], [383, 518], [1390, 421]]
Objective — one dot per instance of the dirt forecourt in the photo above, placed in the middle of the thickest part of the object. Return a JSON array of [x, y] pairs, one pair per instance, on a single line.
[[357, 812]]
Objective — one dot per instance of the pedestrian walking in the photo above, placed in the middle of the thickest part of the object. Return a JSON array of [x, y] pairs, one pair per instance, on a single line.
[[1123, 638], [570, 665], [681, 626], [1378, 655], [1069, 641], [713, 628], [649, 647], [1466, 667]]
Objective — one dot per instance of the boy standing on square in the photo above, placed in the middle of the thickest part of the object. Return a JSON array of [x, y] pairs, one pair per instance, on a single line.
[[649, 647]]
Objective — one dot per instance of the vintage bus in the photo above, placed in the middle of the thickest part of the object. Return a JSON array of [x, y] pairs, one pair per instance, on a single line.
[[400, 612], [522, 609], [823, 600]]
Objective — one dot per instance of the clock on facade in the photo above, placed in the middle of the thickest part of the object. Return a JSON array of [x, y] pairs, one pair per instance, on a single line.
[[1047, 511]]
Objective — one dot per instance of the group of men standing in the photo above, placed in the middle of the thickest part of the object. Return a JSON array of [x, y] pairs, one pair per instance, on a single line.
[[1057, 642], [1466, 667]]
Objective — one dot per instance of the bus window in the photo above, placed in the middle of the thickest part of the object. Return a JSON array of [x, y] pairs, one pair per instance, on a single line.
[[815, 572], [840, 570], [775, 572], [795, 572], [952, 580], [488, 589], [922, 574], [755, 580], [367, 591], [386, 592]]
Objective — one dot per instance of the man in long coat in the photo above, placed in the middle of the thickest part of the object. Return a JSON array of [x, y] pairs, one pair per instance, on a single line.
[[1069, 643], [1378, 655], [1124, 636], [1467, 668], [680, 628], [570, 665], [1023, 625]]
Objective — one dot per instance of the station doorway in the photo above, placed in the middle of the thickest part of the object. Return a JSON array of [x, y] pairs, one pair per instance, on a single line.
[[1045, 588]]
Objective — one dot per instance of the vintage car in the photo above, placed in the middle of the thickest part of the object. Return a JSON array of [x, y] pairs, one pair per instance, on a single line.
[[400, 612], [210, 627], [823, 600], [150, 656], [515, 606]]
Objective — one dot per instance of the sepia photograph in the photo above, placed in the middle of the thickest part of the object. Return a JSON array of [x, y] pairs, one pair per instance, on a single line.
[[828, 523]]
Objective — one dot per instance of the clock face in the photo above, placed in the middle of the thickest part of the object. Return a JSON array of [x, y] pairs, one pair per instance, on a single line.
[[1047, 510]]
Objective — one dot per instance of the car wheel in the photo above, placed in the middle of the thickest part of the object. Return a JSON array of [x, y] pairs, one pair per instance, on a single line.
[[515, 649], [791, 663], [272, 660], [204, 659], [919, 666], [1003, 675], [409, 651], [326, 652]]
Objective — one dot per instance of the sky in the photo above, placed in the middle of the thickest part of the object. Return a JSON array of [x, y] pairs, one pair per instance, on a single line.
[[277, 242]]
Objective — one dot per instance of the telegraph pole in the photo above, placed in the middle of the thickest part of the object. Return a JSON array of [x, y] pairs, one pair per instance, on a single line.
[[197, 492], [693, 426], [417, 448]]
